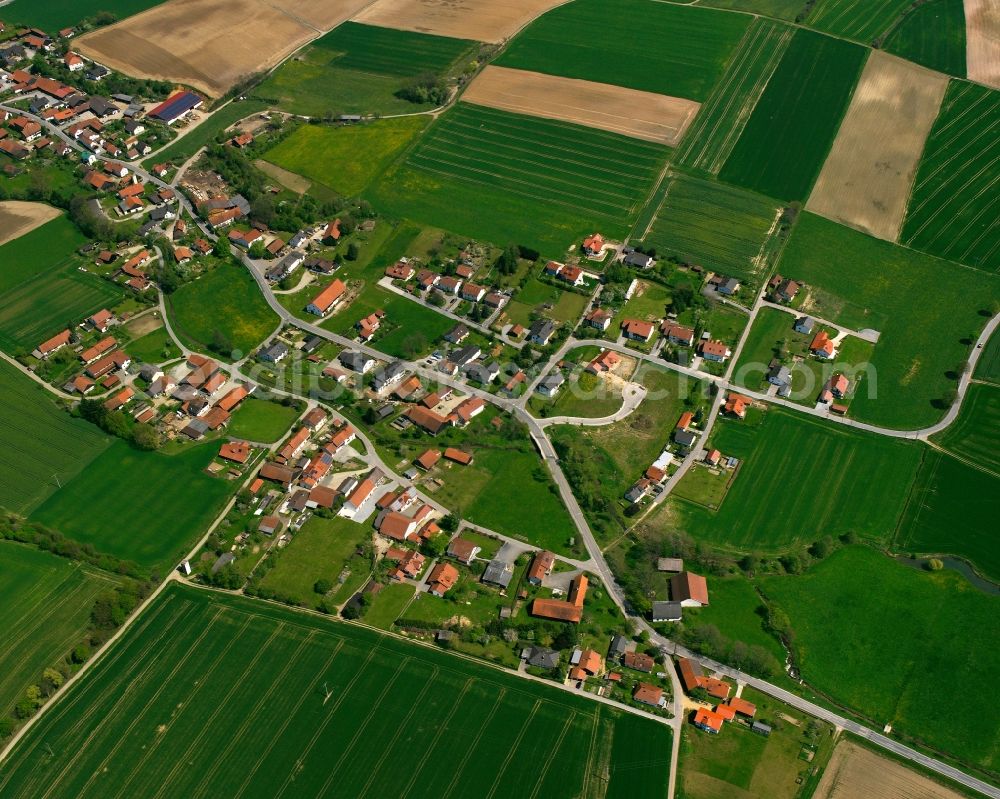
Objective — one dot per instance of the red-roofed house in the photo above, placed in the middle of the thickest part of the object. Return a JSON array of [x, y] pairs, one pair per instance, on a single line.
[[649, 695], [593, 244], [637, 330], [822, 346], [707, 720], [442, 579], [736, 405], [47, 347], [327, 299], [691, 590], [235, 451]]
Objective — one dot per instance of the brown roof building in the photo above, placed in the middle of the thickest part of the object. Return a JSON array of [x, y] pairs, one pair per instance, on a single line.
[[691, 590]]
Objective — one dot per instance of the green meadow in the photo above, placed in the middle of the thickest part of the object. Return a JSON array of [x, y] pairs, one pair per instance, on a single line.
[[975, 434], [582, 40], [147, 507], [790, 132], [261, 420], [277, 702], [932, 35], [861, 20], [54, 15]]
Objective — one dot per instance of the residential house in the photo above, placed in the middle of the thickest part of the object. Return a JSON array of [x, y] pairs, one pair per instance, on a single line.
[[677, 334], [541, 331], [549, 386], [274, 352], [327, 299], [442, 579], [593, 245], [707, 720], [736, 405], [570, 609], [599, 318], [638, 260], [666, 611], [779, 375], [463, 551], [691, 590], [356, 361], [541, 567], [804, 324], [461, 457], [401, 270], [457, 334], [822, 346], [605, 362], [651, 695], [472, 293], [715, 351], [637, 330], [638, 661]]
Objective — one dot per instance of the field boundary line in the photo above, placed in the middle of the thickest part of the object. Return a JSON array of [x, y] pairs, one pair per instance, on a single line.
[[589, 766], [374, 706], [103, 696], [288, 720], [440, 731], [474, 744], [322, 726], [220, 705], [192, 647], [513, 749]]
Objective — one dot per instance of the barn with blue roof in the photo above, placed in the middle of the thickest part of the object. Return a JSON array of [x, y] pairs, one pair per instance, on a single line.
[[176, 106]]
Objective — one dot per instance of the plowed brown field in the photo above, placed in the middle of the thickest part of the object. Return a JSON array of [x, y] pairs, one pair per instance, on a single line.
[[482, 20], [856, 773]]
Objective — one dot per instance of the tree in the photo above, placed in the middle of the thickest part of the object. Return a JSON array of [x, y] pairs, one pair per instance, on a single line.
[[507, 262], [146, 437], [52, 680], [222, 248], [822, 548], [353, 251], [449, 523], [322, 586], [221, 344], [435, 546]]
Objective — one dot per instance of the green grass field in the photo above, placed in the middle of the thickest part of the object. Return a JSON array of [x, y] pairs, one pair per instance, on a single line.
[[45, 611], [988, 367], [154, 347], [147, 507], [954, 210], [723, 228], [41, 289], [582, 40], [882, 638], [510, 178], [921, 342], [782, 9], [952, 511], [227, 302], [584, 395], [358, 69], [720, 121], [321, 550], [975, 434], [567, 306], [226, 696], [861, 20], [54, 15], [346, 159], [802, 479], [261, 420], [388, 604], [792, 127], [40, 445], [177, 152], [933, 35]]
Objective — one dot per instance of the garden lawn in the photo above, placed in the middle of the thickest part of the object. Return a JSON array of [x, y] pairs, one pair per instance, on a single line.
[[388, 604], [883, 638], [54, 15], [975, 434], [222, 309], [147, 507], [802, 479], [504, 178], [952, 511], [319, 551], [704, 486], [348, 158], [921, 342], [791, 130], [291, 702], [727, 229], [585, 395], [360, 69], [154, 347], [567, 306], [45, 606], [582, 40], [261, 420], [954, 210], [933, 35], [41, 445], [182, 148], [42, 289]]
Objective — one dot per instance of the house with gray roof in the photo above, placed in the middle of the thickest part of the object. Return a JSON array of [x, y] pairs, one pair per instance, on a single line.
[[498, 572]]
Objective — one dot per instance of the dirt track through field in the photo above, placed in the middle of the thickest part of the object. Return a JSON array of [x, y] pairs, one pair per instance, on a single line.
[[642, 115], [18, 218], [482, 20], [982, 41], [866, 180], [211, 44], [856, 773]]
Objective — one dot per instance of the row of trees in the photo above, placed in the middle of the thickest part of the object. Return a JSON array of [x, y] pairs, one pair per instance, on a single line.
[[116, 423]]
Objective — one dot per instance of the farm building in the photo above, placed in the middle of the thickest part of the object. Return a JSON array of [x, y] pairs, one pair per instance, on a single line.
[[176, 106]]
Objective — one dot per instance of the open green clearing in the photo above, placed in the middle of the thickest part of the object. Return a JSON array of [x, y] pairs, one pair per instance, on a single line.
[[505, 177], [41, 288], [388, 604], [223, 308], [721, 120], [954, 210], [723, 228], [773, 336], [921, 342], [54, 15], [154, 347], [358, 69], [933, 35], [585, 395], [582, 40], [41, 446], [566, 306], [45, 604], [704, 486], [791, 130], [345, 159], [740, 763], [802, 479], [988, 366], [203, 668], [861, 20], [882, 638], [952, 511], [321, 550], [975, 434], [147, 507], [261, 420], [178, 151]]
